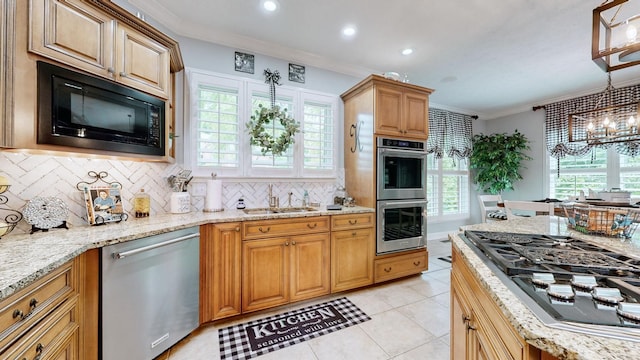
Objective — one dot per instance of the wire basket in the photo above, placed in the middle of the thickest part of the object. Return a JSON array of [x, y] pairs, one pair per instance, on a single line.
[[615, 222]]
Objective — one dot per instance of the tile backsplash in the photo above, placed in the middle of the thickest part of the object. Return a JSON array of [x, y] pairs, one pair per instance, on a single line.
[[33, 176]]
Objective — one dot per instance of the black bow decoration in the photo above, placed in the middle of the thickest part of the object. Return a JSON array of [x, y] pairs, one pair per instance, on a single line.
[[273, 79]]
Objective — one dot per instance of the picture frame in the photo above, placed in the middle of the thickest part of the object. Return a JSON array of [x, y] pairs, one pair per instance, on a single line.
[[296, 73], [104, 205], [244, 62]]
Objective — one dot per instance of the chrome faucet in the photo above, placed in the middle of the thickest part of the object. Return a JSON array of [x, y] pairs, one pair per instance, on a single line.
[[273, 200]]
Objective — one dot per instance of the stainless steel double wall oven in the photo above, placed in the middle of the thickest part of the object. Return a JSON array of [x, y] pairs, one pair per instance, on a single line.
[[401, 195]]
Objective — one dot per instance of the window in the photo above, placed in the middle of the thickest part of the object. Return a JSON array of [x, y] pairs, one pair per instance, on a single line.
[[221, 105], [600, 170], [447, 188]]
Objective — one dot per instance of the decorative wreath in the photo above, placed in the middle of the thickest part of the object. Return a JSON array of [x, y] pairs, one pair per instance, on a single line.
[[263, 138]]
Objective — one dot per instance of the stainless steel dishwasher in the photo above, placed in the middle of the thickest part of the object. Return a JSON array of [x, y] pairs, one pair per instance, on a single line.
[[149, 294]]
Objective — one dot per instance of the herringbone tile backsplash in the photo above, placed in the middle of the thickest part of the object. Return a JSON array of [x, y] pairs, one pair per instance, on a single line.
[[33, 176]]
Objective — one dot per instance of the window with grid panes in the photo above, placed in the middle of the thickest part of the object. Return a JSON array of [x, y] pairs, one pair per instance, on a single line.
[[630, 174], [578, 173], [219, 142], [447, 187]]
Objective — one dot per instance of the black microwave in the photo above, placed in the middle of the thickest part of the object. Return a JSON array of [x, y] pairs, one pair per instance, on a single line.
[[83, 111]]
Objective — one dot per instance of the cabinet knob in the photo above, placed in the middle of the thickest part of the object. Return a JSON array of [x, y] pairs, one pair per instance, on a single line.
[[293, 243], [17, 313], [111, 70], [123, 74], [264, 231], [39, 349], [354, 233], [312, 226], [286, 243], [33, 303], [237, 229], [353, 222]]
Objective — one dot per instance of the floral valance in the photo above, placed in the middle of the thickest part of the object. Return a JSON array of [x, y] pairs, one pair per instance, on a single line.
[[450, 133], [557, 123]]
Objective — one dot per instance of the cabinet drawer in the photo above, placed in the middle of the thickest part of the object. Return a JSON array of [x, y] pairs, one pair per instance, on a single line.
[[398, 266], [25, 308], [352, 221], [48, 336], [269, 228]]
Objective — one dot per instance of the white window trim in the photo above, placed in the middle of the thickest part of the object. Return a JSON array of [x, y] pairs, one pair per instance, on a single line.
[[245, 172], [440, 173]]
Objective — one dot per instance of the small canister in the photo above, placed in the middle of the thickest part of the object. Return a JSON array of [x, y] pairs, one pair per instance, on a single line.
[[180, 202]]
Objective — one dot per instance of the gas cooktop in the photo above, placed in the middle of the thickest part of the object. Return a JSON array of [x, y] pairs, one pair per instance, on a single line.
[[571, 280]]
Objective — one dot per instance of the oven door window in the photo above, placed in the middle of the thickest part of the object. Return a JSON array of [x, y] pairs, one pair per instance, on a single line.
[[402, 223], [402, 172]]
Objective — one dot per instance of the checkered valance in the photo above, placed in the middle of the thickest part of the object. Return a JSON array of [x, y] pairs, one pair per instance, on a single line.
[[557, 122], [450, 133]]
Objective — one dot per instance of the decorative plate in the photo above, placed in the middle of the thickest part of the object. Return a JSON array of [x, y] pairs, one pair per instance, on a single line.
[[46, 212]]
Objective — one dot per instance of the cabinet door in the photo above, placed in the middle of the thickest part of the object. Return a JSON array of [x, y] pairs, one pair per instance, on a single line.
[[309, 266], [142, 63], [459, 321], [220, 271], [73, 33], [352, 259], [416, 116], [388, 111], [265, 273]]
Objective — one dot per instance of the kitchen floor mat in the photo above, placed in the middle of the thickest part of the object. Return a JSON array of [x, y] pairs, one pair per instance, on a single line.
[[258, 337]]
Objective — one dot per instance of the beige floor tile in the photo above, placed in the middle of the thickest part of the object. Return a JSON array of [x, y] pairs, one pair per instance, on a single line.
[[369, 302], [395, 333], [430, 315], [432, 350], [431, 287], [300, 351], [201, 344], [349, 343], [398, 295]]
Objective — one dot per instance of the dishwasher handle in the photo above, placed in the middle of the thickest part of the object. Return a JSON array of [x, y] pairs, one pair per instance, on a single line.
[[121, 255]]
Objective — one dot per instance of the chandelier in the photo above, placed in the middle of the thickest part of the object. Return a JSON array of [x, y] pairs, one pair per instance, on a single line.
[[607, 123], [615, 42]]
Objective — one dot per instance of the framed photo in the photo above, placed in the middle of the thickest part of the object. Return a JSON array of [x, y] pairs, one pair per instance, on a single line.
[[104, 204], [244, 62], [296, 73]]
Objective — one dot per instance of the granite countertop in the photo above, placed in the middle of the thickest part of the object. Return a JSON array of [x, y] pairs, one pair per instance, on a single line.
[[27, 257], [561, 343]]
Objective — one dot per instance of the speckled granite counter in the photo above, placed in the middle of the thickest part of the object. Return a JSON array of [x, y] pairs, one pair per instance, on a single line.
[[25, 258], [561, 343]]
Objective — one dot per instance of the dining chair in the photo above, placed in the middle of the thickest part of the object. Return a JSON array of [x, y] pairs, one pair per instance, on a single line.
[[527, 208], [489, 208]]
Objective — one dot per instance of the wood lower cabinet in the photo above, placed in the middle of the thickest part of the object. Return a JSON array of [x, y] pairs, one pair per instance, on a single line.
[[479, 330], [393, 266], [220, 270], [288, 263], [352, 251], [107, 48], [43, 319]]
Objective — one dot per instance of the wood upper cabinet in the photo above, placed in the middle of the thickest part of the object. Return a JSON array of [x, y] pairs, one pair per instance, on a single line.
[[220, 271], [397, 109], [289, 262], [352, 251], [106, 48], [401, 112]]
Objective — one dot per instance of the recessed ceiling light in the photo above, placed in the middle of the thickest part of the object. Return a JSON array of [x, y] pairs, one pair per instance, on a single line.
[[407, 51], [270, 5], [349, 30]]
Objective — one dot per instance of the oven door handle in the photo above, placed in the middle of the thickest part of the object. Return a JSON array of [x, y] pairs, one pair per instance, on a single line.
[[404, 153], [404, 203]]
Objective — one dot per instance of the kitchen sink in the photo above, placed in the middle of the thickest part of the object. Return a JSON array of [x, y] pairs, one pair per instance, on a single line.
[[279, 210]]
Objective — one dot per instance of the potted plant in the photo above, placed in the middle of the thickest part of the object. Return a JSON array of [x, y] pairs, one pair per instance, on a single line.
[[496, 160]]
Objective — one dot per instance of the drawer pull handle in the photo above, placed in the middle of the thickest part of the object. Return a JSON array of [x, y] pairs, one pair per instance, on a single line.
[[264, 231], [39, 349], [387, 269], [312, 226], [33, 303], [416, 263], [18, 314], [353, 222]]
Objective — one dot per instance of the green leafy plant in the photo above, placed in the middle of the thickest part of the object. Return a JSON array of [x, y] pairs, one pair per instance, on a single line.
[[262, 137], [496, 160]]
